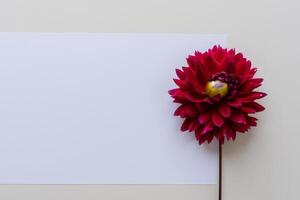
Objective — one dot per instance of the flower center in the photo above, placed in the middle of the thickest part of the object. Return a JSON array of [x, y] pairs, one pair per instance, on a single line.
[[216, 87], [222, 84]]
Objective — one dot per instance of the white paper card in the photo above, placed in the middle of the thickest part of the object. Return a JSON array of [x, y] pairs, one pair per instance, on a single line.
[[95, 109]]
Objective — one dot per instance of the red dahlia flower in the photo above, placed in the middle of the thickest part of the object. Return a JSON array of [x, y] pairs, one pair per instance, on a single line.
[[216, 94]]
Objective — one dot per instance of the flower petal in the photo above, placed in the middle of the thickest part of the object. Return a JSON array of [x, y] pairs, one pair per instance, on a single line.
[[180, 83], [197, 99], [253, 96], [202, 139], [219, 134], [236, 103], [238, 117], [199, 88], [199, 69], [188, 111], [248, 75], [207, 127], [209, 137], [224, 110], [204, 117], [178, 110], [242, 128], [217, 119], [251, 120], [247, 109], [172, 92], [185, 125], [250, 85], [255, 106], [240, 67], [180, 74], [210, 63], [204, 68], [231, 134], [202, 107], [198, 133], [224, 130], [178, 95], [193, 125]]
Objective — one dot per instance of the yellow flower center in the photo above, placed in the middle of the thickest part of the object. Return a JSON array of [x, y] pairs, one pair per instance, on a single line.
[[216, 87]]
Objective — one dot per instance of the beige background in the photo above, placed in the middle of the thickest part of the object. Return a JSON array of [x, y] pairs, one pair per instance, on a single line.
[[261, 165]]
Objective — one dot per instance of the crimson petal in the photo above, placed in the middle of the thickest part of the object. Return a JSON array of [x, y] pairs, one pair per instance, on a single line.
[[197, 99], [257, 107], [180, 73], [238, 117], [241, 127], [207, 127], [173, 91], [250, 85], [188, 111], [193, 125], [253, 96], [251, 120], [217, 119], [234, 103], [224, 110], [185, 124], [202, 139], [180, 83], [204, 117], [247, 109], [230, 133], [178, 110]]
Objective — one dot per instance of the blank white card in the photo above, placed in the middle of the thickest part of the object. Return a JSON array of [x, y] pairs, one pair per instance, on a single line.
[[95, 109]]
